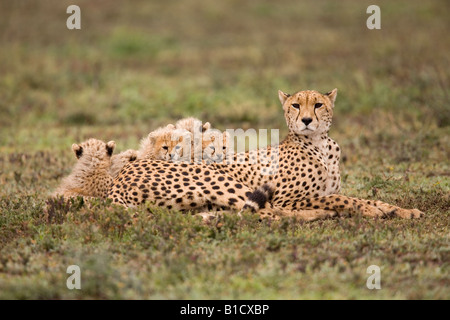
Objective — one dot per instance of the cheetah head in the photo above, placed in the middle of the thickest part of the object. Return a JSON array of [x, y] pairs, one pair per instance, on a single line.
[[215, 145], [172, 145], [308, 112], [193, 125], [94, 153]]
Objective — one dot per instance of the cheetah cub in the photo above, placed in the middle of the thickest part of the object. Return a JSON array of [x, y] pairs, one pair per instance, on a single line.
[[208, 144], [192, 125], [90, 176], [188, 141], [166, 143], [215, 146]]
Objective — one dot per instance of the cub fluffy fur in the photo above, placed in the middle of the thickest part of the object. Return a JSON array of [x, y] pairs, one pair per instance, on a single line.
[[90, 176]]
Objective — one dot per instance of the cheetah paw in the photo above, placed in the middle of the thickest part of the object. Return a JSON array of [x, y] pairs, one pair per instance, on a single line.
[[374, 212], [408, 213]]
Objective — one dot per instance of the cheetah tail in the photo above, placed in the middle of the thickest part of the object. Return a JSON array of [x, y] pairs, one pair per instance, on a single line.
[[258, 198]]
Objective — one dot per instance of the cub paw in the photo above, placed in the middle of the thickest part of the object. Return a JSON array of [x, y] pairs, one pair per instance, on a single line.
[[208, 217]]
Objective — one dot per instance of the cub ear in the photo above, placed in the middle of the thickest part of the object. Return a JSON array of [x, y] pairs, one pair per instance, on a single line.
[[78, 150], [133, 155], [283, 96], [152, 137], [332, 95], [170, 126], [226, 134], [110, 148], [206, 126]]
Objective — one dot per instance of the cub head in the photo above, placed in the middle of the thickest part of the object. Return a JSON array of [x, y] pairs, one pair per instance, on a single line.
[[308, 112], [94, 152], [215, 145], [193, 125], [171, 145]]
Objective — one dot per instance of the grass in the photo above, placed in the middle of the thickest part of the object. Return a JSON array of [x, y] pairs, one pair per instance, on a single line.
[[141, 64]]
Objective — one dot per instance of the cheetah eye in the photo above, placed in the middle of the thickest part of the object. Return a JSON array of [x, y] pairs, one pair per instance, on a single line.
[[296, 105], [224, 148], [318, 105], [165, 148]]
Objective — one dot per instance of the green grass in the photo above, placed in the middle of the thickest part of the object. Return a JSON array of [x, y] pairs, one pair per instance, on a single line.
[[141, 64]]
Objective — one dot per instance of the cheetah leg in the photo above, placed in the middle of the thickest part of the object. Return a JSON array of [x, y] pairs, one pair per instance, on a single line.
[[340, 204], [304, 215], [259, 201], [313, 215], [370, 208], [392, 210]]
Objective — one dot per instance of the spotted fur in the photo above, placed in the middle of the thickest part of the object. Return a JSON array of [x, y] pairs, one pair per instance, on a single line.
[[118, 161]]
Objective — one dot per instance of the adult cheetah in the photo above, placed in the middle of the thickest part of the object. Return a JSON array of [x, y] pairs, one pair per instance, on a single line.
[[300, 176]]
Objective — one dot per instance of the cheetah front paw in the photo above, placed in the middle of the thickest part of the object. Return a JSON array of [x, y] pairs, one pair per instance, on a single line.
[[408, 213], [370, 211], [394, 211]]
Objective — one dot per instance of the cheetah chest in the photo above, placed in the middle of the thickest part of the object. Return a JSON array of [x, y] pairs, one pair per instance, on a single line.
[[309, 170]]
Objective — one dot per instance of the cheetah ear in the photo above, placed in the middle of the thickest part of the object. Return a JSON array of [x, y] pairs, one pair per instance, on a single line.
[[133, 155], [152, 137], [332, 95], [226, 134], [206, 126], [170, 127], [78, 150], [110, 148], [283, 96]]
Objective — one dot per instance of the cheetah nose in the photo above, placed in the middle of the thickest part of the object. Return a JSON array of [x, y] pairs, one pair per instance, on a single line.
[[306, 121]]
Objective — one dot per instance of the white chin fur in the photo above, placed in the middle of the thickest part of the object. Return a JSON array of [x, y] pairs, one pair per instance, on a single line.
[[305, 131]]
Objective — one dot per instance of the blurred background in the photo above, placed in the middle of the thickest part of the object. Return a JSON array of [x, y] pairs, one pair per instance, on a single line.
[[139, 64], [136, 65]]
